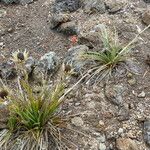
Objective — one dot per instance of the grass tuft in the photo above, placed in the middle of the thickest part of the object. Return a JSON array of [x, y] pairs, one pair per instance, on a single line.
[[112, 54], [33, 119]]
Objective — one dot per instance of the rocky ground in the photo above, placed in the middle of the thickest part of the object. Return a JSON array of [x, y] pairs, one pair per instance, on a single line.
[[105, 116]]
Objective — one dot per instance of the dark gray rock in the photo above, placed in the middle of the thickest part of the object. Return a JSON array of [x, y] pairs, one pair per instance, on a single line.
[[69, 28], [93, 6], [114, 93], [133, 67], [66, 5], [23, 2], [123, 114], [73, 57], [146, 1], [7, 71], [30, 64], [147, 131], [47, 65]]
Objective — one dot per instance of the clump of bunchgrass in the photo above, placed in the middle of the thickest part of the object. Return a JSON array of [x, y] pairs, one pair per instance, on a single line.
[[33, 119], [110, 56]]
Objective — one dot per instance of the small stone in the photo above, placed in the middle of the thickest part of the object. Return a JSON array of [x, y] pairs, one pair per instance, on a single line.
[[114, 93], [120, 131], [30, 64], [101, 123], [102, 138], [146, 1], [57, 19], [132, 81], [102, 146], [142, 95], [114, 6], [2, 12], [129, 75], [91, 105], [126, 144], [1, 44], [146, 17], [77, 121], [68, 28], [123, 114]]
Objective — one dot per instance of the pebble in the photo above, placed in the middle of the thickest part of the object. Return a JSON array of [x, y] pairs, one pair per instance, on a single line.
[[77, 121], [142, 95], [132, 81], [126, 144], [120, 131], [102, 146]]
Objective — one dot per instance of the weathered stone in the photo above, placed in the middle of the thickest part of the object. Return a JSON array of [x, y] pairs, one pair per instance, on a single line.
[[2, 12], [147, 131], [7, 71], [123, 114], [58, 19], [142, 94], [114, 6], [73, 57], [77, 121], [114, 94], [69, 28], [23, 2], [102, 146], [66, 5], [93, 6], [133, 67], [132, 81], [30, 64], [47, 65], [126, 144], [146, 17], [146, 1]]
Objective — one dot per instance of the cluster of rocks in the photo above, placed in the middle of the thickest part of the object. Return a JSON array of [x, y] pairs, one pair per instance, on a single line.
[[62, 17], [48, 64], [23, 2]]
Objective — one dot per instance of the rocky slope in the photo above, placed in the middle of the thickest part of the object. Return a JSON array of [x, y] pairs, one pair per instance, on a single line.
[[108, 116]]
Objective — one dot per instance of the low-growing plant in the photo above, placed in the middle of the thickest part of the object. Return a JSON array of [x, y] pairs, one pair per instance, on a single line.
[[110, 56], [33, 119]]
